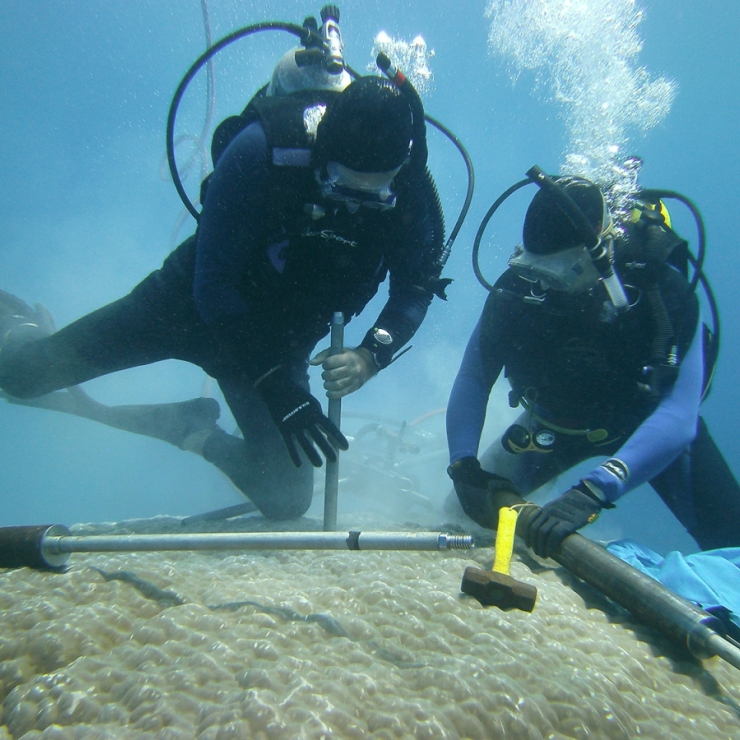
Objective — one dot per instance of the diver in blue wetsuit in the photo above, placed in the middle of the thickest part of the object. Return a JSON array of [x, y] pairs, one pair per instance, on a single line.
[[319, 193], [622, 384]]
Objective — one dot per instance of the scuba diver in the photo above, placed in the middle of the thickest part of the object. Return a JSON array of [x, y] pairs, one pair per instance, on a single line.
[[319, 192], [596, 326]]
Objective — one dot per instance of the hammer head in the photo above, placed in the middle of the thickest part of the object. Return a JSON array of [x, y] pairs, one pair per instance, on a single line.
[[497, 589]]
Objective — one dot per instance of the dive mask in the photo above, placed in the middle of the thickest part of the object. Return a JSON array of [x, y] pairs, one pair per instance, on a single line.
[[568, 270], [355, 189]]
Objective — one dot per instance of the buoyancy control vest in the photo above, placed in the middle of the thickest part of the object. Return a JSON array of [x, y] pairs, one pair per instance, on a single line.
[[318, 257], [582, 363], [282, 118]]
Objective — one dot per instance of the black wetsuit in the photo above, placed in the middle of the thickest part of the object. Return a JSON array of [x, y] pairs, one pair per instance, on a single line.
[[255, 287]]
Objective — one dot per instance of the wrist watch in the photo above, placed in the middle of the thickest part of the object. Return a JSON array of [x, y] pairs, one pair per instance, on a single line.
[[379, 343]]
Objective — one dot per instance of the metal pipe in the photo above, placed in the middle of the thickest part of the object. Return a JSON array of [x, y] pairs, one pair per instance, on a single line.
[[50, 546], [646, 598], [724, 649], [649, 600], [331, 484]]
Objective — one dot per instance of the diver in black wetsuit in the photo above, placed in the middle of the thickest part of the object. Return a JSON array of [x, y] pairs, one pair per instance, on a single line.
[[622, 384], [316, 197]]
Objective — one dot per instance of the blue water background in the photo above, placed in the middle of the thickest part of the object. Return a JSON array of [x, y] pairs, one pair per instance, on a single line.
[[85, 215]]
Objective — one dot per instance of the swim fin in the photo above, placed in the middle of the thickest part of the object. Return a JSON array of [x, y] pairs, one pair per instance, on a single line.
[[18, 317]]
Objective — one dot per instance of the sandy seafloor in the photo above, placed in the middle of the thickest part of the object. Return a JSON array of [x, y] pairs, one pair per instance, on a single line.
[[335, 645]]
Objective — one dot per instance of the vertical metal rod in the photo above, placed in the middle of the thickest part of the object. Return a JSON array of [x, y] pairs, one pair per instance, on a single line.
[[331, 486]]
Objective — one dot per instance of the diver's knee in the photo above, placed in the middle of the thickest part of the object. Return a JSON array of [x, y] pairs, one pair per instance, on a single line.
[[20, 369], [16, 378], [283, 509]]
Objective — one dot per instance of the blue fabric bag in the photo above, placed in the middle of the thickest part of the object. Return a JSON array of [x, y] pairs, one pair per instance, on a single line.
[[710, 579]]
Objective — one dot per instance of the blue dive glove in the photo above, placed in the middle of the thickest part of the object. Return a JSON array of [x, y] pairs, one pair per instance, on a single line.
[[299, 418], [560, 518]]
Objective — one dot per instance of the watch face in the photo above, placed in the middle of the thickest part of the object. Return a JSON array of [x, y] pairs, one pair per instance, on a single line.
[[544, 438], [382, 336]]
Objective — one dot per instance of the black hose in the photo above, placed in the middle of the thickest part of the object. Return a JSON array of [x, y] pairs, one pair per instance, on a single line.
[[711, 352], [300, 31], [697, 262], [663, 327], [484, 223], [655, 195], [569, 207], [385, 65]]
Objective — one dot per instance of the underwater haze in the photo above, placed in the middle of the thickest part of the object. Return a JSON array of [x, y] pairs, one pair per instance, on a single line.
[[85, 212]]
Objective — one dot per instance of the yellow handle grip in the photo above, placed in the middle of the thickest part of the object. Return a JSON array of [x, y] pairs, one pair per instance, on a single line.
[[504, 539]]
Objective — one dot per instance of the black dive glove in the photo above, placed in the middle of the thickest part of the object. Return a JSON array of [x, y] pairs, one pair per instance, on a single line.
[[482, 493], [299, 418], [468, 470], [576, 508]]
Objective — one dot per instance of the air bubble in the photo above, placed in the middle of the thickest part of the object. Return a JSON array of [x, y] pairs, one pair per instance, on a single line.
[[411, 57], [585, 54]]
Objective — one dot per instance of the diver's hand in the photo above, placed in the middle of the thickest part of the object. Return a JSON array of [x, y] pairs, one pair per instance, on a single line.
[[560, 518], [345, 372], [481, 493], [299, 418], [468, 471]]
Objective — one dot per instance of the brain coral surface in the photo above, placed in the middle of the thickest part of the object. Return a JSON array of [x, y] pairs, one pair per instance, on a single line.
[[349, 645]]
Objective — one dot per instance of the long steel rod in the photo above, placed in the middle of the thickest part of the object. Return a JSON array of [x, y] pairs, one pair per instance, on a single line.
[[55, 548], [331, 484]]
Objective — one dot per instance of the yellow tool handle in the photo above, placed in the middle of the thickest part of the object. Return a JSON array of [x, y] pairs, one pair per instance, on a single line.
[[504, 539]]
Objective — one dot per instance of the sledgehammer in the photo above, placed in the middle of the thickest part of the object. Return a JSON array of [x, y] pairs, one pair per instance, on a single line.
[[496, 587]]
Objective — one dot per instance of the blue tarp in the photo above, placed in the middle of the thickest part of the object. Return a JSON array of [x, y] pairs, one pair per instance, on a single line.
[[710, 579]]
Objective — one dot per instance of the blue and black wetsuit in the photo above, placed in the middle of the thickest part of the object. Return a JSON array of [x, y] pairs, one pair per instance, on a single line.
[[255, 287], [578, 368]]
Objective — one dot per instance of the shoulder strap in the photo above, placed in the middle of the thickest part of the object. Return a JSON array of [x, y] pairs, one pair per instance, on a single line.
[[227, 130], [282, 117], [289, 139]]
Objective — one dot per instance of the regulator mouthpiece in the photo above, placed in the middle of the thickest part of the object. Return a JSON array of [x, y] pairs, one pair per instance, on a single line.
[[419, 150], [616, 292]]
